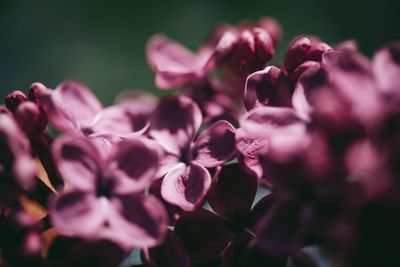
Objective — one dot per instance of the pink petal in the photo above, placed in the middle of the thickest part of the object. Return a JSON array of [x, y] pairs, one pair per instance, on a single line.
[[137, 101], [104, 142], [133, 165], [78, 161], [175, 66], [282, 132], [233, 193], [186, 186], [137, 221], [120, 121], [216, 145], [171, 253], [77, 213], [57, 113], [269, 87], [204, 234], [175, 122], [386, 67], [78, 99], [249, 147]]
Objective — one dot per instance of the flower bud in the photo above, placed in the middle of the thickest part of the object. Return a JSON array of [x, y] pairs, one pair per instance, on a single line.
[[15, 98], [30, 119]]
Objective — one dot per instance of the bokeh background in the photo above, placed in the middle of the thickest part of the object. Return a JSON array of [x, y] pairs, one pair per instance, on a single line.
[[102, 43]]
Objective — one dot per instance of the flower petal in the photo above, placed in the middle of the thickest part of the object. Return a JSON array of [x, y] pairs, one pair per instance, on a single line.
[[175, 66], [78, 161], [249, 147], [119, 121], [204, 234], [137, 221], [281, 230], [282, 132], [137, 101], [269, 87], [386, 67], [57, 113], [77, 213], [78, 99], [175, 122], [233, 193], [186, 186], [352, 77], [171, 253], [104, 142], [133, 164], [216, 145]]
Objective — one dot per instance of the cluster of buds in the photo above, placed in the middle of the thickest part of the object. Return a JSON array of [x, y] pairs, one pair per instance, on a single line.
[[249, 165]]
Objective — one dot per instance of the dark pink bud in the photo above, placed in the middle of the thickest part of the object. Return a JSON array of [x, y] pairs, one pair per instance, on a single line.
[[255, 49], [15, 98], [273, 28], [29, 118], [296, 53]]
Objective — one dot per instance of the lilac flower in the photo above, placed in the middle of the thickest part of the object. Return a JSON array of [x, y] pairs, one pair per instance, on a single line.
[[302, 52], [269, 87], [228, 229], [17, 168], [174, 125], [171, 253], [72, 108], [175, 66], [274, 131], [107, 200]]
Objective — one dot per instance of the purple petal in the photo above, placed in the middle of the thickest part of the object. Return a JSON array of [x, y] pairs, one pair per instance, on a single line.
[[280, 132], [216, 145], [259, 210], [213, 54], [175, 66], [172, 210], [175, 122], [15, 160], [233, 193], [249, 147], [351, 74], [57, 113], [119, 121], [269, 87], [204, 234], [282, 228], [78, 99], [78, 161], [137, 221], [77, 213], [171, 253], [104, 143], [186, 186], [313, 78], [133, 165], [137, 101], [386, 67]]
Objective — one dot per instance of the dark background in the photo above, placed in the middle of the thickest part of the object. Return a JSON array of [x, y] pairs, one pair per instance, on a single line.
[[102, 44]]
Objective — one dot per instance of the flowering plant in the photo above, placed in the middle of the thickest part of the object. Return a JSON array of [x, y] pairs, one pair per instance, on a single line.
[[250, 164]]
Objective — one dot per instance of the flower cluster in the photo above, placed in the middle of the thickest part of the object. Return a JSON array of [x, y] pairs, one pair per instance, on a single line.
[[249, 165]]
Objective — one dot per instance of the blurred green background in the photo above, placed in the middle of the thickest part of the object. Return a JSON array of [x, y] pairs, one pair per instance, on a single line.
[[102, 43]]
